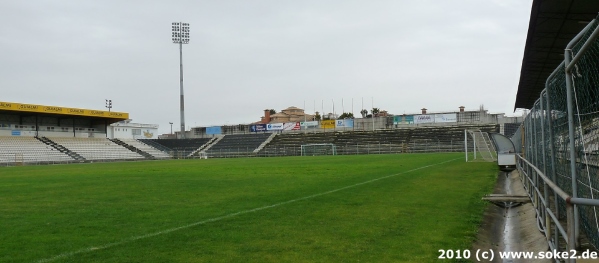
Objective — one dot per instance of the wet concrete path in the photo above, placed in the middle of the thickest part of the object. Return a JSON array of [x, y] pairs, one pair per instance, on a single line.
[[510, 228]]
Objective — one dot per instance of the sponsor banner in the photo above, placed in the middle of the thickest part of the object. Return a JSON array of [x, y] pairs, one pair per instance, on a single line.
[[449, 117], [213, 130], [291, 126], [409, 119], [62, 110], [258, 128], [327, 124], [15, 133], [345, 123], [397, 120], [274, 126], [308, 124], [418, 119]]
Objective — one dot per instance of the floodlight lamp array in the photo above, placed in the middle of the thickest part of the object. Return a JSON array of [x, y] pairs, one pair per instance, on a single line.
[[180, 32]]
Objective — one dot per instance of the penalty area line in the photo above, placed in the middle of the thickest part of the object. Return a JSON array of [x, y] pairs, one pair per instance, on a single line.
[[135, 238]]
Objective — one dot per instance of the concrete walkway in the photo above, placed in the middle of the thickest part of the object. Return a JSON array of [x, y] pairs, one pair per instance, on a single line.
[[510, 229]]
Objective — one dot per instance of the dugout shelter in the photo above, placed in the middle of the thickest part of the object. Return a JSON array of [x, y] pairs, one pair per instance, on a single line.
[[20, 119]]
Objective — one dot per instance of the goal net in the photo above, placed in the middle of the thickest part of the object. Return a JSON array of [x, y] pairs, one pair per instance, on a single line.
[[479, 147], [319, 149]]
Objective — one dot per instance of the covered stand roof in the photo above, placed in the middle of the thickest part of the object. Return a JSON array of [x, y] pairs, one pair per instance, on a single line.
[[553, 23], [44, 110]]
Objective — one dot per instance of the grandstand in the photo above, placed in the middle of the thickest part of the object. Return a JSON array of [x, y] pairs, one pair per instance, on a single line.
[[97, 149], [39, 134], [21, 150], [385, 141], [401, 140], [179, 148], [237, 145], [82, 135]]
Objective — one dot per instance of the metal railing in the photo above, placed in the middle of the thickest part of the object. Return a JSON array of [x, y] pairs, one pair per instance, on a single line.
[[540, 188]]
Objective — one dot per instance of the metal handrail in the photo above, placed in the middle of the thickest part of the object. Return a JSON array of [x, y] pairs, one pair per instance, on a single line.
[[540, 203]]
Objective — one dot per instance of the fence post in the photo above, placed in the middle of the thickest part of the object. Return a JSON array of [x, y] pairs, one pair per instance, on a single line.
[[571, 227], [474, 142], [535, 129], [551, 142], [466, 144], [570, 107], [545, 190]]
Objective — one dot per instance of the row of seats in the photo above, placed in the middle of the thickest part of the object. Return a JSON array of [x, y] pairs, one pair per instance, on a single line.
[[29, 150], [97, 148]]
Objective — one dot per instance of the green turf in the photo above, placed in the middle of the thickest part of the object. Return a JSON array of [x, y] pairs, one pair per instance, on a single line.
[[100, 212]]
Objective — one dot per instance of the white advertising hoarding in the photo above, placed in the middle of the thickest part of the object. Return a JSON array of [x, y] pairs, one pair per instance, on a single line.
[[309, 123], [291, 126], [448, 117], [346, 123], [274, 126], [418, 119]]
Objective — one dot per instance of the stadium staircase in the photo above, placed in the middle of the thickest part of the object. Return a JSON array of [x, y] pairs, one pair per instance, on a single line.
[[209, 144], [272, 135], [61, 149], [204, 147], [133, 149], [157, 146], [155, 152]]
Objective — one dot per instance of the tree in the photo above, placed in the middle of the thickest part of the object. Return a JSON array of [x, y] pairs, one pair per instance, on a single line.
[[346, 115], [272, 111], [364, 112], [375, 112], [317, 116]]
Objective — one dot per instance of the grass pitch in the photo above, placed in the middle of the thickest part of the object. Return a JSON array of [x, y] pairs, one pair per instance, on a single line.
[[375, 208]]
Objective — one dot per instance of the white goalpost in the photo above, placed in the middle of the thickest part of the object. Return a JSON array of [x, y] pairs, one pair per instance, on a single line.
[[318, 149], [483, 149]]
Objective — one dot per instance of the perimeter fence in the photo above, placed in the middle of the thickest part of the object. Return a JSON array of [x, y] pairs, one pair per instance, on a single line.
[[560, 135]]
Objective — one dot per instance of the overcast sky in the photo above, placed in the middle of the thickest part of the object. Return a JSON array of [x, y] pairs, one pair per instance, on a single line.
[[247, 56]]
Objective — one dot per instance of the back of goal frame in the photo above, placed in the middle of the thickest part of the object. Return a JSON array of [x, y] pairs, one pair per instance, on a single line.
[[318, 149]]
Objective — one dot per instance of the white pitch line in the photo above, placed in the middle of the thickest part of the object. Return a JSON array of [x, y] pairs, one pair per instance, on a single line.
[[135, 238]]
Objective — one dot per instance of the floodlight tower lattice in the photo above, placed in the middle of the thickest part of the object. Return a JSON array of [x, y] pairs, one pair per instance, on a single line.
[[180, 35]]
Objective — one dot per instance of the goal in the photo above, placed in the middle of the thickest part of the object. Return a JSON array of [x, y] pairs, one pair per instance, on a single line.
[[319, 149], [480, 145]]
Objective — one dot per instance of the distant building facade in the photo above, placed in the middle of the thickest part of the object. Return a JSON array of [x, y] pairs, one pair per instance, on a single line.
[[291, 114], [129, 130]]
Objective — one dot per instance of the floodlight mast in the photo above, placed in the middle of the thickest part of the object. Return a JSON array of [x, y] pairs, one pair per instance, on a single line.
[[181, 36]]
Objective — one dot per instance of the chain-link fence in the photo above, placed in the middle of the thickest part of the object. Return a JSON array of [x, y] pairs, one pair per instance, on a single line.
[[561, 132]]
